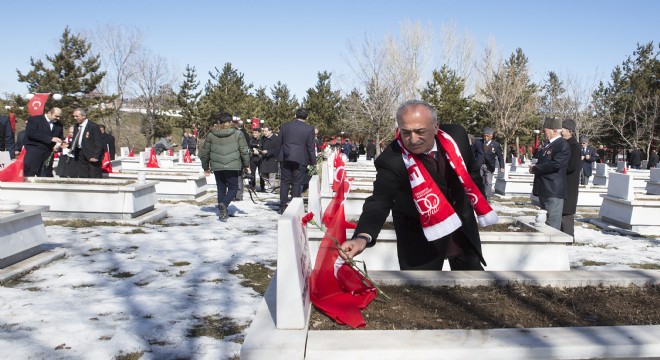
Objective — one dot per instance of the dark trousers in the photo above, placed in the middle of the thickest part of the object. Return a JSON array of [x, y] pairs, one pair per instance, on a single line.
[[88, 169], [568, 224], [254, 165], [34, 161], [227, 184], [292, 177]]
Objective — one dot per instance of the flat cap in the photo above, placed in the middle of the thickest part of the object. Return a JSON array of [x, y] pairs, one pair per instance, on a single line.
[[551, 123], [488, 131], [568, 124]]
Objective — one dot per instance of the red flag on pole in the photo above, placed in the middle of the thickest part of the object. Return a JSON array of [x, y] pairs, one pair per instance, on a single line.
[[340, 172], [106, 165], [37, 103], [186, 157], [153, 159], [336, 288], [132, 152], [336, 205], [171, 153], [14, 172]]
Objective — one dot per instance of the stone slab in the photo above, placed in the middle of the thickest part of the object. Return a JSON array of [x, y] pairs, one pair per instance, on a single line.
[[23, 267], [22, 233]]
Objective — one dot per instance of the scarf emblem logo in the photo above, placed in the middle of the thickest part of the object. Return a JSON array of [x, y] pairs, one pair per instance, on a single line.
[[427, 206]]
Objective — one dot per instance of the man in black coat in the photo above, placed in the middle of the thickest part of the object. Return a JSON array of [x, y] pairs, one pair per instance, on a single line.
[[588, 157], [492, 151], [572, 178], [636, 157], [417, 122], [87, 145], [653, 160], [550, 172], [296, 151], [108, 142], [42, 135], [268, 166], [6, 136], [371, 149]]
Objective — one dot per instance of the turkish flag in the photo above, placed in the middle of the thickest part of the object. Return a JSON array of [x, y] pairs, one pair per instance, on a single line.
[[186, 157], [106, 165], [153, 160], [255, 123], [132, 152], [37, 103], [337, 289], [340, 172], [14, 172], [336, 205], [12, 120]]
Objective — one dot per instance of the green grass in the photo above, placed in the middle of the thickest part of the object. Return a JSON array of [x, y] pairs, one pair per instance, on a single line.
[[646, 266], [593, 263]]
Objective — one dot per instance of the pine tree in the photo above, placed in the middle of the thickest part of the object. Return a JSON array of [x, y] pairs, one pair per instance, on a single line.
[[324, 105], [444, 92], [73, 72], [284, 105], [226, 91], [188, 98]]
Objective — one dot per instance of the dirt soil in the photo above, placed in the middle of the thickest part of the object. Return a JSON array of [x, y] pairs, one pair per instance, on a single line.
[[512, 306]]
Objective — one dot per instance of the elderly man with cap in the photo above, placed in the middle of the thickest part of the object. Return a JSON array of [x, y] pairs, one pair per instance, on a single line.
[[572, 178], [550, 172], [588, 157], [491, 151]]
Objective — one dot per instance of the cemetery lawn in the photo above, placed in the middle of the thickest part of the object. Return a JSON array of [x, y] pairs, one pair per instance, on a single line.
[[511, 306]]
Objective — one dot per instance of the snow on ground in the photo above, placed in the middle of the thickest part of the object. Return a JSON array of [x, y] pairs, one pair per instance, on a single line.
[[124, 289]]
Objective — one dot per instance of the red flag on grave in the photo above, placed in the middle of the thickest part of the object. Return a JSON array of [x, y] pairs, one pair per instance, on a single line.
[[337, 289], [340, 171], [37, 103], [186, 157], [14, 171], [132, 152], [171, 153], [106, 165], [336, 206], [153, 159]]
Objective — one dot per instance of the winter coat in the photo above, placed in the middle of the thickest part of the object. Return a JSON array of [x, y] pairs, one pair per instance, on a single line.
[[269, 161], [572, 178], [225, 148]]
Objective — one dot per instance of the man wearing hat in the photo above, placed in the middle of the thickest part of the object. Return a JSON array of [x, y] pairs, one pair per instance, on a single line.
[[491, 151], [572, 178], [550, 172], [588, 158]]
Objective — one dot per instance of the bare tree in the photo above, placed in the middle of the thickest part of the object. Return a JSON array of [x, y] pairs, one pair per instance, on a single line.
[[457, 52], [154, 93], [578, 106], [119, 47]]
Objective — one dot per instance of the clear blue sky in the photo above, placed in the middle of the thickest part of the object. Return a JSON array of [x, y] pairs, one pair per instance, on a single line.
[[290, 41]]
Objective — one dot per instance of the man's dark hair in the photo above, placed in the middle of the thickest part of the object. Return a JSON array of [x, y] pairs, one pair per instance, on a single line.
[[224, 118], [267, 127], [101, 126], [302, 114]]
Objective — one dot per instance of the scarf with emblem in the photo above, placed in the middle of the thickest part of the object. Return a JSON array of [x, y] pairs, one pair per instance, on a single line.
[[436, 214]]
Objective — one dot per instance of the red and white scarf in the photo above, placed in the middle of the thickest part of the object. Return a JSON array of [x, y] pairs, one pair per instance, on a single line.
[[436, 214]]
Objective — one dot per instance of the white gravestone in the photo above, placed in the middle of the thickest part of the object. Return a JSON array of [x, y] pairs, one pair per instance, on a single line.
[[620, 165], [653, 185], [293, 269], [124, 151], [621, 186], [5, 159], [514, 163], [600, 178], [142, 158]]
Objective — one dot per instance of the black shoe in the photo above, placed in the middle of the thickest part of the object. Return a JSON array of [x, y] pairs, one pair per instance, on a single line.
[[223, 212]]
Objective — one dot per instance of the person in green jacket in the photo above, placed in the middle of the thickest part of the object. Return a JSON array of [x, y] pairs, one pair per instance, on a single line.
[[225, 152]]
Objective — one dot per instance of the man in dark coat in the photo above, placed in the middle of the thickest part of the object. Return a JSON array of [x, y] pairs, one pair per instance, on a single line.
[[296, 151], [572, 178], [653, 160], [588, 157], [492, 151], [6, 136], [268, 166], [550, 172], [40, 141], [636, 157], [108, 142], [418, 124], [87, 145], [371, 149]]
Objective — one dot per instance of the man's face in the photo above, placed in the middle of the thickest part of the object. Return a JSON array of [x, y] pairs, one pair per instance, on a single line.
[[255, 134], [566, 134], [584, 144], [78, 117], [487, 137], [267, 132], [549, 133], [55, 114], [417, 129]]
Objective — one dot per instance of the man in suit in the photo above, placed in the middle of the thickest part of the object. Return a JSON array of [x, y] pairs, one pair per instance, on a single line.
[[491, 151], [418, 126], [268, 166], [588, 157], [572, 178], [42, 136], [653, 160], [636, 157], [108, 142], [550, 172], [87, 145], [296, 151]]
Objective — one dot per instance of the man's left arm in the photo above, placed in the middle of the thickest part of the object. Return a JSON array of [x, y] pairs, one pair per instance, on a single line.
[[9, 138], [561, 156], [310, 147], [97, 149], [500, 157]]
